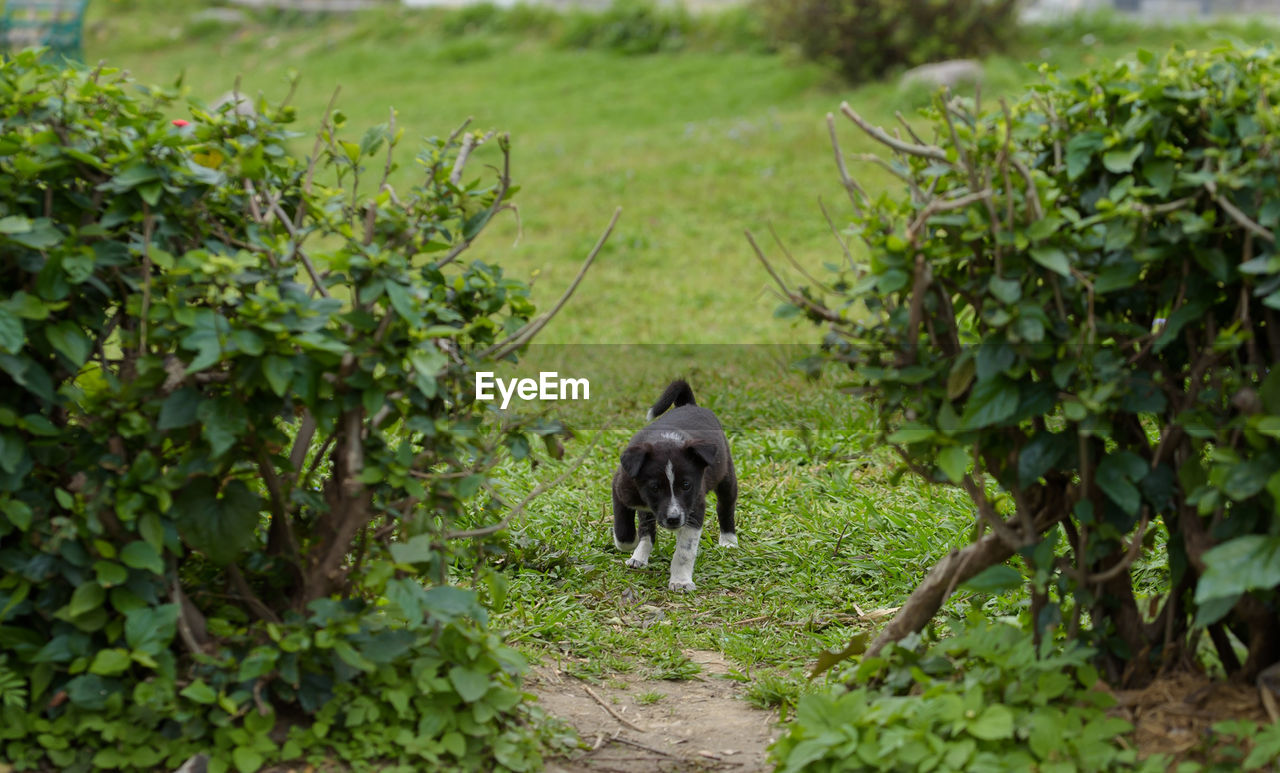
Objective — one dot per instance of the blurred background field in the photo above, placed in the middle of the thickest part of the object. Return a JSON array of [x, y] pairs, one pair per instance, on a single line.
[[696, 124]]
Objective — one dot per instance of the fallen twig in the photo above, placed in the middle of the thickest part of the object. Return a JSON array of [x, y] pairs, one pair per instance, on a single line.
[[638, 745], [616, 715]]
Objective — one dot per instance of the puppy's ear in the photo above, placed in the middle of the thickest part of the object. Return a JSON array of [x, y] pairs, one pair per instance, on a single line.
[[704, 453], [633, 458]]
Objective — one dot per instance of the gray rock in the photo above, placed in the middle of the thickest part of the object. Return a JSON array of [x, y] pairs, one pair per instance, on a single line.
[[950, 73], [221, 15], [240, 104]]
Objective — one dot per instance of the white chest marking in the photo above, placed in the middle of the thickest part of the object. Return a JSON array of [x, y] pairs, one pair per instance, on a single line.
[[674, 510]]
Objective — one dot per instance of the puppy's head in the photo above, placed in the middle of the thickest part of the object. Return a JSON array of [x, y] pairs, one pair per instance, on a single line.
[[669, 478]]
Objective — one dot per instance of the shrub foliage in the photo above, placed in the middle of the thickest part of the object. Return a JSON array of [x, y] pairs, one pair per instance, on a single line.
[[1072, 314], [988, 698], [868, 39], [982, 699], [236, 432]]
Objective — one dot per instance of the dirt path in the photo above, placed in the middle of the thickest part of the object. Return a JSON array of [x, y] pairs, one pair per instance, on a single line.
[[701, 724]]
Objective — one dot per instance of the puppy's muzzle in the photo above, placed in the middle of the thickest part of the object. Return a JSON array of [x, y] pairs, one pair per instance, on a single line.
[[670, 522]]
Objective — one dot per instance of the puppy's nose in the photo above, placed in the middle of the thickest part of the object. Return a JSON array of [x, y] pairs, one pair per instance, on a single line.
[[671, 523]]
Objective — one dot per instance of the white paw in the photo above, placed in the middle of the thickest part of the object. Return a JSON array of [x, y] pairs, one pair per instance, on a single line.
[[684, 586], [637, 563], [729, 540]]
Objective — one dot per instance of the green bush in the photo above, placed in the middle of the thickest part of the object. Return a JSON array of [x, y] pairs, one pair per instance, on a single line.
[[628, 27], [868, 39], [487, 17], [1072, 314], [988, 698], [237, 431], [982, 699]]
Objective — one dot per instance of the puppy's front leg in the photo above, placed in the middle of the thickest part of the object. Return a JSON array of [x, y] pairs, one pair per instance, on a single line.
[[682, 562], [624, 525], [726, 502], [648, 530]]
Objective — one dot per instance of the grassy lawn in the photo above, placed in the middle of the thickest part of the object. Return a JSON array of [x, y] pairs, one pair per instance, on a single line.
[[695, 147]]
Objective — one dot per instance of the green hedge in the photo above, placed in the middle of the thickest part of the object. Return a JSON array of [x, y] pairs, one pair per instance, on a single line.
[[236, 434]]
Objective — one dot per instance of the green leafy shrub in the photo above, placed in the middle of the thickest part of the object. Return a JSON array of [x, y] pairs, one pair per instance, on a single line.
[[487, 17], [1072, 314], [868, 39], [237, 430], [628, 27], [983, 699]]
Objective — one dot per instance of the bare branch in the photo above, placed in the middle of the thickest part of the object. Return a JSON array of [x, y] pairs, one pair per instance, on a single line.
[[917, 195], [1239, 216], [192, 628], [910, 132], [844, 247], [245, 593], [1033, 194], [457, 132], [937, 206], [795, 263], [524, 334], [537, 491], [391, 146], [316, 280], [504, 183], [921, 276], [1006, 158], [302, 444], [1165, 208], [924, 151], [315, 158], [148, 225], [460, 163], [288, 97], [988, 514], [851, 187], [281, 539], [793, 297], [1131, 555]]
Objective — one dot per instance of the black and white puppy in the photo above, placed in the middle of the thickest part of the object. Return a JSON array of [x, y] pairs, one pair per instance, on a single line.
[[666, 471]]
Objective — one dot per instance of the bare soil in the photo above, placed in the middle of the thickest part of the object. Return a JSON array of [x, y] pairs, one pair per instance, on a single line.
[[701, 724]]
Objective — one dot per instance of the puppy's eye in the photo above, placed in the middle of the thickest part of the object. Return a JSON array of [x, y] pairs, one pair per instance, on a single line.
[[653, 484], [686, 485]]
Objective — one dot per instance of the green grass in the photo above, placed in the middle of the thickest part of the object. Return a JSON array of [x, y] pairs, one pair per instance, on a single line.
[[695, 147]]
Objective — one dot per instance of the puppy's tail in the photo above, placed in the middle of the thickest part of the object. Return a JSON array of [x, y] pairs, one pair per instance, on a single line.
[[677, 393]]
